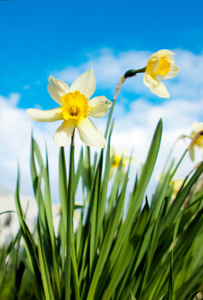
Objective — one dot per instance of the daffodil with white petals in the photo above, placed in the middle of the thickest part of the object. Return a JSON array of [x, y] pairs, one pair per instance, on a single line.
[[75, 110], [160, 66]]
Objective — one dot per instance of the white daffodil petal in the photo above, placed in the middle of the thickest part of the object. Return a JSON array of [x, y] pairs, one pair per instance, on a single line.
[[170, 59], [89, 134], [64, 133], [50, 115], [171, 73], [99, 107], [85, 84], [57, 88], [156, 86], [197, 126], [164, 52]]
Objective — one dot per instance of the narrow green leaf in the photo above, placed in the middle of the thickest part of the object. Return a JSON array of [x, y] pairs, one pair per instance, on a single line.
[[69, 226], [46, 276], [107, 242], [63, 189], [134, 205], [30, 246], [49, 217]]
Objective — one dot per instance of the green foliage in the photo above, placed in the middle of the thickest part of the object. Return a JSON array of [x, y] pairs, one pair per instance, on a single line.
[[153, 251]]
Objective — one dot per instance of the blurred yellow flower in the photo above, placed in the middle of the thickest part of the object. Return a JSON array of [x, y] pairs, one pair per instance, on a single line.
[[175, 183], [160, 66], [196, 127], [117, 159], [176, 186], [74, 110]]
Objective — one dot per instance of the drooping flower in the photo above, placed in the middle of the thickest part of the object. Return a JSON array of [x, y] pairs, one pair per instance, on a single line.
[[197, 128], [160, 66], [74, 110]]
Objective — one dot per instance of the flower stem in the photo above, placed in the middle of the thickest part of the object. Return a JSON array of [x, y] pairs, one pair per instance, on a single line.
[[132, 72], [73, 138], [69, 223], [127, 74]]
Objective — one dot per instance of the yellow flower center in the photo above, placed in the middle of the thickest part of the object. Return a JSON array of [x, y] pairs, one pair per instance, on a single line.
[[163, 67], [74, 106], [199, 142], [116, 161]]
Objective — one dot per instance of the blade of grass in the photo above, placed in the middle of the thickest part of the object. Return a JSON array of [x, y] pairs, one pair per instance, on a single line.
[[69, 226], [30, 246], [107, 242], [138, 197], [46, 276]]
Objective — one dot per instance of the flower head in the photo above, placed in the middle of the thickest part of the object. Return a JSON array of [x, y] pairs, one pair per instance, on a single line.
[[160, 66], [117, 160], [177, 184], [197, 128], [74, 110]]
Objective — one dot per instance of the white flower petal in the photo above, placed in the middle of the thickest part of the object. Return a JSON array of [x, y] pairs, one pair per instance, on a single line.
[[99, 107], [162, 53], [171, 73], [45, 115], [197, 126], [64, 133], [170, 59], [156, 86], [57, 88], [89, 134], [85, 84]]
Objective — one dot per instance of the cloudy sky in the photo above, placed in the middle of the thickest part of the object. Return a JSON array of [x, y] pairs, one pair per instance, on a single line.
[[64, 39]]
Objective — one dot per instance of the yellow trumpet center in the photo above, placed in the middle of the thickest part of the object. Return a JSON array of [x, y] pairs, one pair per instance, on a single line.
[[74, 106], [199, 141], [116, 161], [163, 67]]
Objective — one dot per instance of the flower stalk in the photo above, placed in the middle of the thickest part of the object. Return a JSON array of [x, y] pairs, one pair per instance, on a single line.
[[70, 202], [127, 74]]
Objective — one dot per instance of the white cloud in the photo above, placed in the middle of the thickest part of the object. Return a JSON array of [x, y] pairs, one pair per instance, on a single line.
[[135, 120], [15, 139], [108, 67]]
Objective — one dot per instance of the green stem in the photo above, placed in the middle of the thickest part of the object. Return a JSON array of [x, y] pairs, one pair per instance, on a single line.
[[127, 74], [132, 72], [178, 164], [109, 118], [69, 224]]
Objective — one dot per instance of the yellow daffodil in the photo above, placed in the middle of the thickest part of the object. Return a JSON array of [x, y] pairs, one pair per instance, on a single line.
[[160, 66], [117, 159], [175, 183], [74, 110], [176, 186], [197, 128]]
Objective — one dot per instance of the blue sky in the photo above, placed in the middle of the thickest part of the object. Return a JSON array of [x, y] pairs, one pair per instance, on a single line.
[[38, 37], [65, 38]]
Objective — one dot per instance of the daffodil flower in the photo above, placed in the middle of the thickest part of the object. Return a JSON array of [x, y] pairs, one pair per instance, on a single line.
[[160, 66], [117, 159], [197, 127], [75, 110], [177, 184]]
